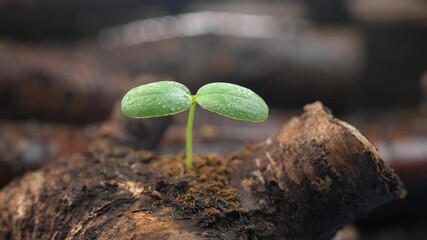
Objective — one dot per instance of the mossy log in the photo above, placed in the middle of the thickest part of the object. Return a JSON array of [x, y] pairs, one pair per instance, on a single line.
[[316, 175]]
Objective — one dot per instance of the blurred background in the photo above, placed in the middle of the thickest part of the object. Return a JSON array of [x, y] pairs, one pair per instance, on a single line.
[[64, 63]]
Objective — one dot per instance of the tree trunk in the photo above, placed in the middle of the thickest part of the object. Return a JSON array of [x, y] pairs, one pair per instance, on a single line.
[[316, 175]]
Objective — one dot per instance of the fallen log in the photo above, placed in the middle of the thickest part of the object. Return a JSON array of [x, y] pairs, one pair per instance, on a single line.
[[316, 175]]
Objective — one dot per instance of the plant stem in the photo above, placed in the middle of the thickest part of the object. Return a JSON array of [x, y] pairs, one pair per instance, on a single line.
[[189, 137]]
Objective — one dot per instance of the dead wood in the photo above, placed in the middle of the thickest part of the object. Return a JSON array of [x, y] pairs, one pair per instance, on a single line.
[[317, 174]]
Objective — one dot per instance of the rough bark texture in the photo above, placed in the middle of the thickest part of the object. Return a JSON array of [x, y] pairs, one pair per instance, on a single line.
[[324, 172], [314, 176]]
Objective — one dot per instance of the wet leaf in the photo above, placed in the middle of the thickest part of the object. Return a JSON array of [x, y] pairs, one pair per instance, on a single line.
[[156, 99], [232, 101]]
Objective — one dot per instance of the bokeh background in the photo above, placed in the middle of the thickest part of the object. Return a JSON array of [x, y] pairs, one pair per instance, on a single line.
[[64, 63]]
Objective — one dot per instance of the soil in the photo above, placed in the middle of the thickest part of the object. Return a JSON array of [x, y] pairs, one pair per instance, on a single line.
[[113, 177], [307, 182]]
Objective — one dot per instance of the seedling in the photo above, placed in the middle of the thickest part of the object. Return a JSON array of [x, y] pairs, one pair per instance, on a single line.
[[167, 98]]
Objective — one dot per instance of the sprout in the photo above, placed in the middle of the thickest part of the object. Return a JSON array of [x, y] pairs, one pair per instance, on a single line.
[[167, 98]]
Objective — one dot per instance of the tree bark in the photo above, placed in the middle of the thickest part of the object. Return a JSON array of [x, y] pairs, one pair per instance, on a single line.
[[316, 175]]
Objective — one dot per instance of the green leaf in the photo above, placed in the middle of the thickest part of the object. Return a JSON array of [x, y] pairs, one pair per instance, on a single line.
[[232, 101], [156, 99]]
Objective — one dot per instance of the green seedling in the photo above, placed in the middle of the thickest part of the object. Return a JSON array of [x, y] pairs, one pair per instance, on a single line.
[[167, 98]]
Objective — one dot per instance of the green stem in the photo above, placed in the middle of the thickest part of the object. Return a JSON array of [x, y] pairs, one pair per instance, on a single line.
[[189, 138]]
